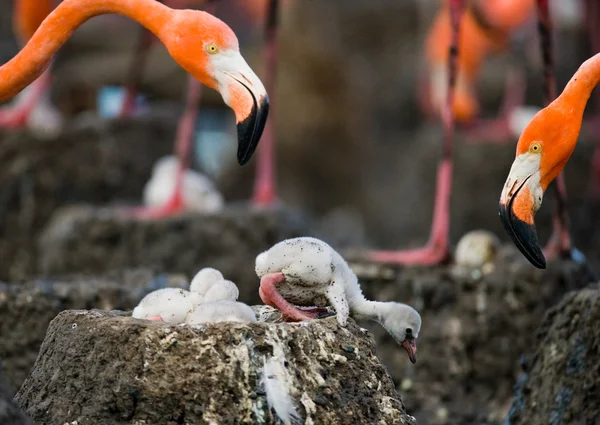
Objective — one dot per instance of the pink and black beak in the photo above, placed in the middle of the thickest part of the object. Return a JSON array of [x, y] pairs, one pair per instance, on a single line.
[[243, 91], [250, 129], [516, 211], [410, 345]]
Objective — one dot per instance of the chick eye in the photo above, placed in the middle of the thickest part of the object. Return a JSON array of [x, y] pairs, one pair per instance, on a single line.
[[535, 148], [408, 331], [212, 49]]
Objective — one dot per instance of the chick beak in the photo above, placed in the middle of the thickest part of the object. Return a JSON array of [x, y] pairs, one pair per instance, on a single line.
[[410, 345]]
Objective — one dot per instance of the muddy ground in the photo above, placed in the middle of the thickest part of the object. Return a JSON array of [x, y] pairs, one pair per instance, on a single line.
[[477, 323]]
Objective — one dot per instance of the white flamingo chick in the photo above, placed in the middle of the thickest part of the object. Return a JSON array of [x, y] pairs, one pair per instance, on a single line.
[[222, 290], [198, 192], [220, 311], [171, 305], [205, 279], [308, 272]]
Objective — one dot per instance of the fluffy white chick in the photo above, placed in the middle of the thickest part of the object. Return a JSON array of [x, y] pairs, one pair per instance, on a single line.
[[308, 272], [205, 279], [171, 305], [222, 290], [220, 311], [198, 192]]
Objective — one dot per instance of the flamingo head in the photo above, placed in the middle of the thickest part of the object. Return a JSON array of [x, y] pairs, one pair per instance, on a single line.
[[542, 152], [208, 49]]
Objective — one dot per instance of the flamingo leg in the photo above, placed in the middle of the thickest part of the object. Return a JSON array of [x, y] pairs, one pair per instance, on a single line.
[[146, 39], [560, 244], [270, 296], [16, 115], [183, 149], [436, 251], [593, 14], [265, 191]]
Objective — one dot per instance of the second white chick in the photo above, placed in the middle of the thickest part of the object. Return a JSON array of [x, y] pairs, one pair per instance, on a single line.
[[220, 311], [199, 193], [171, 305], [222, 290], [205, 279]]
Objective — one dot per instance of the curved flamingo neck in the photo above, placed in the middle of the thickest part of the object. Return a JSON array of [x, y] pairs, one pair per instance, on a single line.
[[579, 89], [56, 29]]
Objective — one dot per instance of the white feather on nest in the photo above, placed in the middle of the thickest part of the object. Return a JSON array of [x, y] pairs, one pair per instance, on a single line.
[[276, 382]]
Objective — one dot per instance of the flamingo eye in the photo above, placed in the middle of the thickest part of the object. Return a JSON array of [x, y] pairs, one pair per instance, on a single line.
[[535, 147], [212, 49]]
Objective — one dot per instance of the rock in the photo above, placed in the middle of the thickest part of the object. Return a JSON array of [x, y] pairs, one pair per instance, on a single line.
[[26, 309], [91, 240], [560, 384], [10, 414], [475, 328], [107, 368]]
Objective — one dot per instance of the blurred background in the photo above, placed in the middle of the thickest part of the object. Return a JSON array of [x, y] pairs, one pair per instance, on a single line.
[[355, 152]]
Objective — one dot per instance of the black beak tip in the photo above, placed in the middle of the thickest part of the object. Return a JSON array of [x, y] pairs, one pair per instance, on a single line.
[[523, 235], [251, 129]]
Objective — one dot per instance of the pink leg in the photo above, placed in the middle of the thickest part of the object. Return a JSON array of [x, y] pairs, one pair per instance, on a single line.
[[183, 148], [313, 309], [16, 115], [268, 293], [265, 192], [135, 72], [156, 318], [595, 185], [593, 124], [436, 250], [560, 244]]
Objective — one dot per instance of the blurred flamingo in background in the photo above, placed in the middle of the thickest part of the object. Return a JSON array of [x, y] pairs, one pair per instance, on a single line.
[[486, 29], [437, 248], [32, 107]]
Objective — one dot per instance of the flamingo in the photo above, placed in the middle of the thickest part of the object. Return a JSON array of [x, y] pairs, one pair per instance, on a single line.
[[307, 271], [202, 44], [436, 250], [485, 30], [32, 108], [264, 187], [542, 152]]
